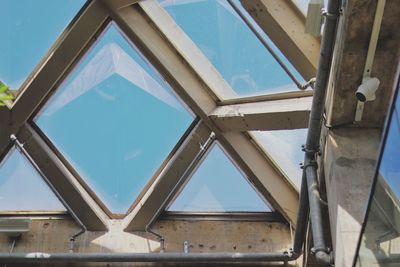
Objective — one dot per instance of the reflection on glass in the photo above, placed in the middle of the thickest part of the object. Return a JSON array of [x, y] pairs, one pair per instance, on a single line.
[[217, 186], [230, 45], [114, 120], [28, 29], [22, 188], [284, 146], [380, 243]]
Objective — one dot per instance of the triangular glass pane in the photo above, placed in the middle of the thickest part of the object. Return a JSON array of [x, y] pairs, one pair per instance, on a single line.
[[217, 185], [114, 120], [22, 188], [28, 29], [284, 146], [231, 46]]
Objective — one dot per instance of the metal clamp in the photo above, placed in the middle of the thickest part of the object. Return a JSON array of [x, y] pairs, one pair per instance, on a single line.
[[328, 15], [311, 163], [303, 148]]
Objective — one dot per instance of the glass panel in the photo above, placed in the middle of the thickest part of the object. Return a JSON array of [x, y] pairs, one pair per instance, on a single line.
[[28, 29], [380, 243], [115, 120], [284, 146], [217, 186], [230, 45], [22, 188]]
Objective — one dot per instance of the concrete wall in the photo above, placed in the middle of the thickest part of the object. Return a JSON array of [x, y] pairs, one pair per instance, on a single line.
[[350, 158], [52, 235]]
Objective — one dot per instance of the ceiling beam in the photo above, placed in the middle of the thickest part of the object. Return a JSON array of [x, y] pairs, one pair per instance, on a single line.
[[268, 115], [167, 47], [285, 26], [174, 175], [59, 60], [118, 4], [46, 76], [266, 177], [84, 207]]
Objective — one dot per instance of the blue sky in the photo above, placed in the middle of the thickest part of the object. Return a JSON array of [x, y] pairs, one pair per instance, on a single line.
[[17, 178], [26, 34], [115, 120], [218, 185]]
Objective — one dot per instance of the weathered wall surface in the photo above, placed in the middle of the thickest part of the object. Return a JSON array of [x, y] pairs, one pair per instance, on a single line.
[[203, 236], [350, 158]]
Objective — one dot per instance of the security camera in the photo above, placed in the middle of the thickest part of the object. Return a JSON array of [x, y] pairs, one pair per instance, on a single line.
[[366, 91]]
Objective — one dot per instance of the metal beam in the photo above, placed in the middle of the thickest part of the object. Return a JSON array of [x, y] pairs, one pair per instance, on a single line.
[[84, 207], [163, 189], [179, 66], [283, 23], [267, 115]]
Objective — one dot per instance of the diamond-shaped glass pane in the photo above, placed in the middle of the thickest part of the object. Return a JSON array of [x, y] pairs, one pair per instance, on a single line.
[[217, 185], [284, 146], [22, 188], [230, 45], [114, 120], [28, 29]]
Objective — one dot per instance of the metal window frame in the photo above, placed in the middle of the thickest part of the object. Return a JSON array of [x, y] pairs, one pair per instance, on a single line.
[[194, 80]]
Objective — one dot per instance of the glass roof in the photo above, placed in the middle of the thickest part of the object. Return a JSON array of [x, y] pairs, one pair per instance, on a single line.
[[217, 185], [22, 188], [284, 146], [26, 34], [230, 45], [114, 120]]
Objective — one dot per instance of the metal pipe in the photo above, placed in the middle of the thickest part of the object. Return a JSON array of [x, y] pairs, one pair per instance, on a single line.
[[83, 229], [142, 257], [302, 218], [270, 50], [321, 251]]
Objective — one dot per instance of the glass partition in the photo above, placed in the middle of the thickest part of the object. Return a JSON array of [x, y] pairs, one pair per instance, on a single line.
[[380, 240]]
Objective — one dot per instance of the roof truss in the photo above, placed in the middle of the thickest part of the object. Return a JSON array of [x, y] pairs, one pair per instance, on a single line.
[[193, 78]]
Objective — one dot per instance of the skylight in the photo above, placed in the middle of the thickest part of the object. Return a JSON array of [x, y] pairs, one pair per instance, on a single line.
[[114, 120], [284, 146], [217, 185], [26, 34], [22, 188], [230, 45]]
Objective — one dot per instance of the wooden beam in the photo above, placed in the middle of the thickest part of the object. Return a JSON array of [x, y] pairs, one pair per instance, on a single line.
[[118, 4], [166, 47], [267, 115], [283, 23], [59, 60], [85, 208], [49, 73], [165, 187]]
